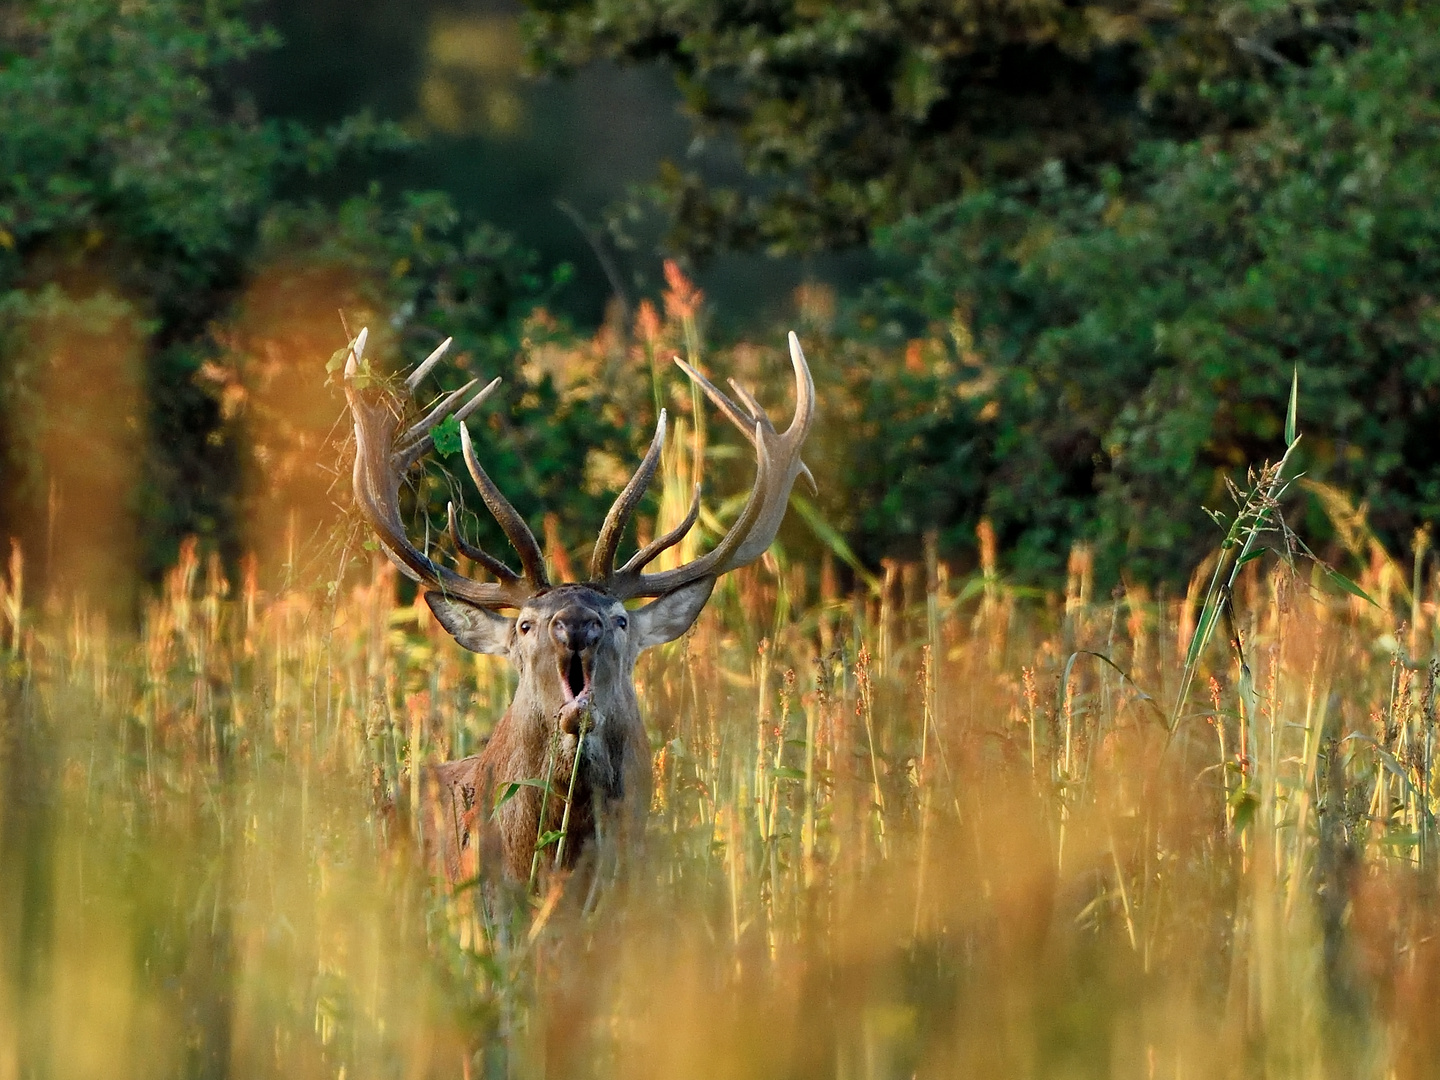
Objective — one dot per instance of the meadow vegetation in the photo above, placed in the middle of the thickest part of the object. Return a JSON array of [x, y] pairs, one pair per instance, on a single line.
[[934, 825], [1079, 328], [919, 809]]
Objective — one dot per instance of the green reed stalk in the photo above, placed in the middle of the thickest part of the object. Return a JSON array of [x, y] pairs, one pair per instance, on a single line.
[[1257, 509], [545, 803], [570, 792]]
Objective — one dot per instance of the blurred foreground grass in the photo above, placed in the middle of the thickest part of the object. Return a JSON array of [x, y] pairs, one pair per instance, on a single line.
[[923, 831]]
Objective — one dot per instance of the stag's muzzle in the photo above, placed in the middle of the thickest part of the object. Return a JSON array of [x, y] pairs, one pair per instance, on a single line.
[[576, 630]]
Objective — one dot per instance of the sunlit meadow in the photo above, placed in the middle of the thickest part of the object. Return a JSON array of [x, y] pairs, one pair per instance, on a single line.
[[931, 826]]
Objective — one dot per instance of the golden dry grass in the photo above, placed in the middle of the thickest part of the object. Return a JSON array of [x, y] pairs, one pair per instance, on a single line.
[[890, 837], [934, 828]]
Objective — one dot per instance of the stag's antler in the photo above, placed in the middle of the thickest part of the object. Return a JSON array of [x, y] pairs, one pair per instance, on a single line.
[[777, 466], [381, 462]]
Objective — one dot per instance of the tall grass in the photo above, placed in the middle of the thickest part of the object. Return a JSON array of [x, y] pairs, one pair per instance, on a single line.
[[936, 827], [914, 834]]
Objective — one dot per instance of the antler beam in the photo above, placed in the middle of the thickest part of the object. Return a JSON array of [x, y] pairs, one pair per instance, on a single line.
[[778, 465], [381, 461]]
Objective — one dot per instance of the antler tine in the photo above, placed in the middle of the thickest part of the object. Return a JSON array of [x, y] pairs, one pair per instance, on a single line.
[[732, 412], [475, 402], [425, 365], [646, 555], [809, 479], [804, 406], [719, 560], [759, 413], [532, 560], [420, 438], [475, 554], [778, 465], [804, 401], [379, 470], [804, 391], [414, 435], [602, 562], [748, 400]]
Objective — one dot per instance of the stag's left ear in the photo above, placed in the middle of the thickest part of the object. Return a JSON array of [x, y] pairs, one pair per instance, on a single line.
[[670, 616], [478, 629]]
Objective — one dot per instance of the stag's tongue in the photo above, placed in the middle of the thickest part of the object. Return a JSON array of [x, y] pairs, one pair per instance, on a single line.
[[575, 685], [573, 711], [574, 677]]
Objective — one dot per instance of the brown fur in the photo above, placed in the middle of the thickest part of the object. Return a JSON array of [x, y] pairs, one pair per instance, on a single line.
[[466, 834]]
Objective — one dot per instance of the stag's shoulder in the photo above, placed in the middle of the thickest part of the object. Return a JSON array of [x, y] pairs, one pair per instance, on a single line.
[[448, 774], [454, 785]]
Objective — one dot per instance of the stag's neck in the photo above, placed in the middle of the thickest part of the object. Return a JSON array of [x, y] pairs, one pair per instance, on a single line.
[[529, 744]]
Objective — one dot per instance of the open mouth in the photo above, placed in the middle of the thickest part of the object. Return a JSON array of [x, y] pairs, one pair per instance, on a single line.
[[575, 675]]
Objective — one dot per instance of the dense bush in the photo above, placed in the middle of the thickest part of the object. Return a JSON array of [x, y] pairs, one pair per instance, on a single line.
[[141, 205], [1141, 333]]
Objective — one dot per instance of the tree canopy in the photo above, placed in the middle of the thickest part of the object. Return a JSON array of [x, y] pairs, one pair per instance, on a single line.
[[141, 197], [850, 115]]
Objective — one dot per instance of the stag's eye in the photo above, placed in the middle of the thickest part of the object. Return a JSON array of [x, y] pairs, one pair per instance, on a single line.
[[526, 626], [621, 621]]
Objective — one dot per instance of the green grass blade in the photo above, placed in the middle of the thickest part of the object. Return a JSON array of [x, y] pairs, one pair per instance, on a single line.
[[1344, 584], [831, 538], [1293, 411], [1202, 634]]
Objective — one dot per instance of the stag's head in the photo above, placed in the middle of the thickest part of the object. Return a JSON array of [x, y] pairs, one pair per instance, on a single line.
[[574, 645]]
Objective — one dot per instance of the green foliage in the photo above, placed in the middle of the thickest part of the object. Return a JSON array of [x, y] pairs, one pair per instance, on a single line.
[[417, 272], [898, 450], [1142, 333], [418, 264], [129, 173], [1115, 329], [112, 134], [857, 113], [447, 437], [132, 173], [122, 145]]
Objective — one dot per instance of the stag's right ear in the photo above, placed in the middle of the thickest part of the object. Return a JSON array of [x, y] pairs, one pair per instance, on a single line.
[[478, 629]]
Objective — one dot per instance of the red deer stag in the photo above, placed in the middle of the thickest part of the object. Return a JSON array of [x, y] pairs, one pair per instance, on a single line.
[[574, 646]]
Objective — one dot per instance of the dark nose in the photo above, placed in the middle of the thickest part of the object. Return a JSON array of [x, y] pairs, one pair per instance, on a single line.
[[575, 628]]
